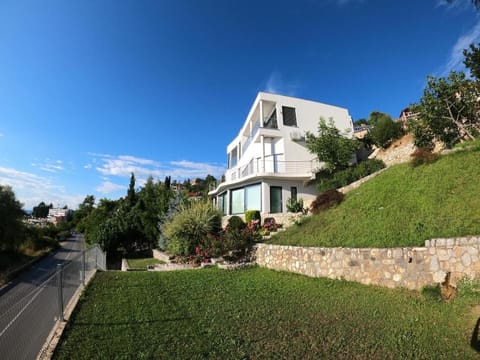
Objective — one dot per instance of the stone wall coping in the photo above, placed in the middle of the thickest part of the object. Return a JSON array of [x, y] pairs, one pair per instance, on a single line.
[[433, 243]]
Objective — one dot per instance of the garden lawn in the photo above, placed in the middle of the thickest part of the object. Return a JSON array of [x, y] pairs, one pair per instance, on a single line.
[[143, 263], [258, 313], [403, 206]]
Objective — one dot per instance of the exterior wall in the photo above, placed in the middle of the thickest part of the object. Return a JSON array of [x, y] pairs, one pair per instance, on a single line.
[[307, 193], [408, 267]]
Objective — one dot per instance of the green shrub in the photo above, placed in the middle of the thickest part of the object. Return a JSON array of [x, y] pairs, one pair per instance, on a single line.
[[215, 243], [191, 226], [326, 200], [385, 131], [344, 177], [240, 242], [423, 156], [294, 205], [252, 215], [236, 223], [422, 134]]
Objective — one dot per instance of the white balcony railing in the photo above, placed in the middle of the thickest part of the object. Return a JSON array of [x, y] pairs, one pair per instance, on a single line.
[[272, 166]]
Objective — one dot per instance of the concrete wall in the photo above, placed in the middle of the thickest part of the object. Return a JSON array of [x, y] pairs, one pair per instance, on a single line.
[[408, 267]]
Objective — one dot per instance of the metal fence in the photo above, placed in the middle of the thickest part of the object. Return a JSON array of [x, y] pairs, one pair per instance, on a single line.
[[29, 312]]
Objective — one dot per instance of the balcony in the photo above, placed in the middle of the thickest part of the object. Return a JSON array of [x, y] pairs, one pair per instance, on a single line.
[[247, 142], [270, 167], [270, 124]]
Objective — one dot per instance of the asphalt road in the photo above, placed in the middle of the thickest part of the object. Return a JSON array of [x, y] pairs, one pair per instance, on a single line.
[[29, 304]]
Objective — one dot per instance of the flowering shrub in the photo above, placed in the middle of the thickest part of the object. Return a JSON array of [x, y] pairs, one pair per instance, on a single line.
[[252, 215], [201, 256], [254, 225], [270, 225], [240, 239]]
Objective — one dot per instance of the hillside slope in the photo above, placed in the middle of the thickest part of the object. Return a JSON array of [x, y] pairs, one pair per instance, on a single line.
[[403, 206]]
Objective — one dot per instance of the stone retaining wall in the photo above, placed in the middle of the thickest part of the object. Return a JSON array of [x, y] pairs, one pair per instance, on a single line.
[[160, 255], [408, 267]]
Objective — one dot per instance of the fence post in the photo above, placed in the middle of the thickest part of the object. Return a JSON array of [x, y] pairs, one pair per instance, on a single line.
[[83, 267], [60, 291]]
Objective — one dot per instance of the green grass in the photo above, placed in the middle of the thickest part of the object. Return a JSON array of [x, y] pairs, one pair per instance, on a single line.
[[143, 263], [403, 206], [258, 313]]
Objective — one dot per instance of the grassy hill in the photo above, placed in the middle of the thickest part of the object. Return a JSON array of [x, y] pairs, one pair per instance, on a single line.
[[403, 206]]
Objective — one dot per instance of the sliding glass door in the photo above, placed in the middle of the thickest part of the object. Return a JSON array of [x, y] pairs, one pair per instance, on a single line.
[[275, 199]]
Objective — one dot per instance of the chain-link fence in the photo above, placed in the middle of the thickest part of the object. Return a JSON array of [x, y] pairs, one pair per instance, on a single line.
[[29, 311]]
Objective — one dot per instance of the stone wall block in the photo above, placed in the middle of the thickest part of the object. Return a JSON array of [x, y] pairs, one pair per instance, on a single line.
[[439, 276], [442, 254], [466, 260], [473, 251]]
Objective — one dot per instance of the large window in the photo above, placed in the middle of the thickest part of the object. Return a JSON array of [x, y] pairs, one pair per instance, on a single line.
[[289, 116], [222, 203], [253, 198], [237, 202], [233, 158], [247, 198]]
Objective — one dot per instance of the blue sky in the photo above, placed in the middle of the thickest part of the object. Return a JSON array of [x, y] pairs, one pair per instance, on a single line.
[[91, 91]]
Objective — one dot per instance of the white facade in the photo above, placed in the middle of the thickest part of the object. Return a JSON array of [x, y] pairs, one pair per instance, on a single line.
[[57, 214], [268, 162]]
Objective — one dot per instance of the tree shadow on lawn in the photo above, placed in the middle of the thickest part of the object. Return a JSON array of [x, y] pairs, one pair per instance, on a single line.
[[475, 341]]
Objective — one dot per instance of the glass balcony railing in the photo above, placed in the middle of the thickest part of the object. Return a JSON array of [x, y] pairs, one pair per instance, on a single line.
[[271, 166], [247, 142]]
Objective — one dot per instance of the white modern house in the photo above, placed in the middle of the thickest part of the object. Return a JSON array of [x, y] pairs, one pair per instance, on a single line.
[[268, 162]]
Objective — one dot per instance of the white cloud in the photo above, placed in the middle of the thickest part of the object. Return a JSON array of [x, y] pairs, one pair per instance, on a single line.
[[124, 165], [455, 60], [277, 85], [108, 187], [455, 5], [188, 169], [87, 166], [50, 166], [31, 189]]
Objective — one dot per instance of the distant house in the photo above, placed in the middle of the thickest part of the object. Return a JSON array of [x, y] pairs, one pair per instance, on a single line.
[[361, 131], [268, 162], [55, 215], [196, 181], [194, 195], [406, 114]]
